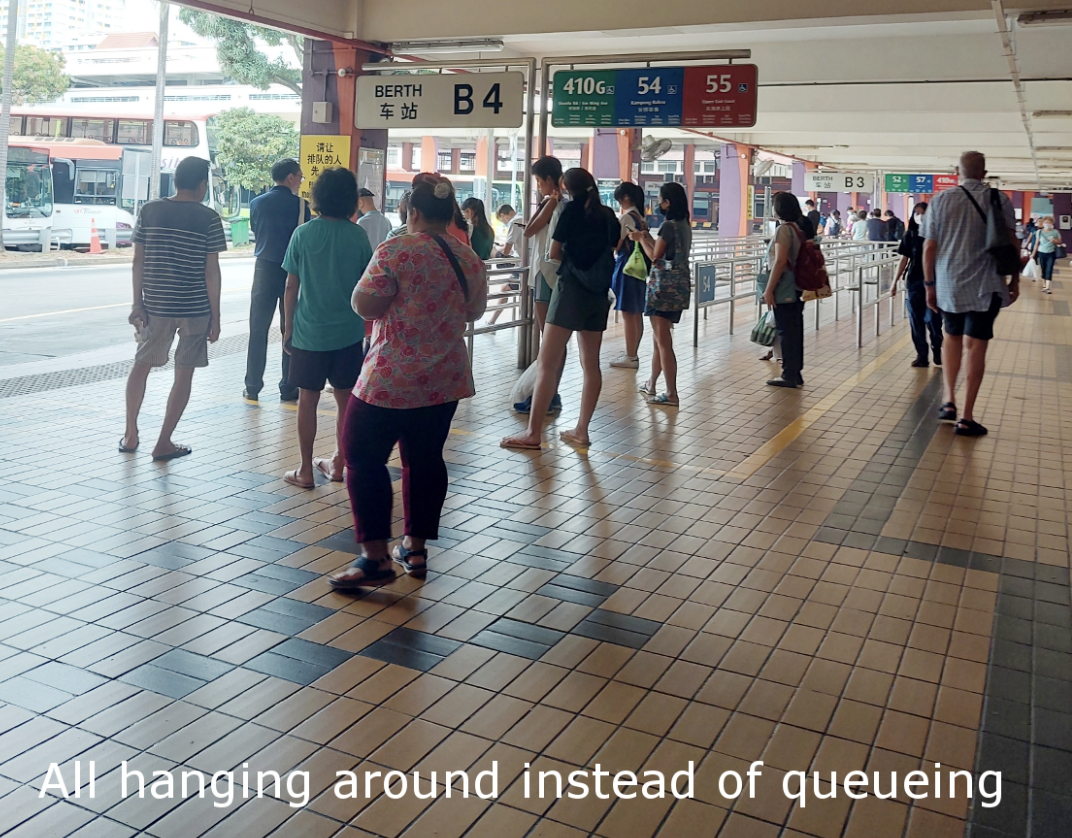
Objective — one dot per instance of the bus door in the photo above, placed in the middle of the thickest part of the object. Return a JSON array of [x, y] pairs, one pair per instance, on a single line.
[[88, 200]]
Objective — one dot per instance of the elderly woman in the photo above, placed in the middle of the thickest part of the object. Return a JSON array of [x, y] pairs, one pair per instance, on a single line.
[[419, 292]]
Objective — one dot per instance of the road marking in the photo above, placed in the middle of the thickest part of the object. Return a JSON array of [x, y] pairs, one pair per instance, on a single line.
[[89, 308]]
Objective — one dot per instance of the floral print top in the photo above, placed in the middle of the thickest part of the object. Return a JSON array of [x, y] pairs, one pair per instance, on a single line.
[[417, 356]]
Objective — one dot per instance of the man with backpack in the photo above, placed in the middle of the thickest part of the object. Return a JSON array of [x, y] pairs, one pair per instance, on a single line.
[[895, 228], [963, 282]]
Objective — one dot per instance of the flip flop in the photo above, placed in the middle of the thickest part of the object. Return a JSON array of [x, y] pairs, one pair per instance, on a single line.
[[291, 477], [646, 388], [664, 400], [323, 465], [372, 574], [124, 450], [568, 438], [510, 442], [180, 451], [400, 555]]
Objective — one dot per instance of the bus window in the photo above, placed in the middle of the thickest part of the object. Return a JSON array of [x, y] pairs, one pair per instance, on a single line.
[[180, 133], [95, 186], [46, 126], [29, 190], [16, 126], [135, 132], [93, 129]]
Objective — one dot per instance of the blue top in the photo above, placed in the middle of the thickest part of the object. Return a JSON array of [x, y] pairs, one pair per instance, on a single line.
[[273, 217]]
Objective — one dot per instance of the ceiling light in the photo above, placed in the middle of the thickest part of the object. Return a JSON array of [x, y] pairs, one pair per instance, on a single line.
[[1051, 114], [1050, 17], [439, 47]]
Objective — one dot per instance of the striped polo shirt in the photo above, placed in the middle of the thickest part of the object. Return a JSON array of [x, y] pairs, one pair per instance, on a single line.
[[177, 237]]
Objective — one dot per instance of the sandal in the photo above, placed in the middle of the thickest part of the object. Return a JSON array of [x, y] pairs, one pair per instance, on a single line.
[[947, 412], [664, 400], [966, 427], [123, 449], [180, 451], [371, 572], [401, 556], [647, 388], [291, 477]]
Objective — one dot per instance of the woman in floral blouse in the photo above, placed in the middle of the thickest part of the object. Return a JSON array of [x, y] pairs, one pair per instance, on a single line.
[[419, 291]]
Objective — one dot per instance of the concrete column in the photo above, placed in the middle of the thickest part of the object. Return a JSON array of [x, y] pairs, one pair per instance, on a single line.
[[798, 178], [407, 157], [604, 151], [321, 83], [733, 190], [629, 154], [690, 173], [429, 154]]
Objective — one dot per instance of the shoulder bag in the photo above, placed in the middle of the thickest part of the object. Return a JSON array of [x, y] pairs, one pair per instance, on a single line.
[[637, 266], [454, 264], [1005, 254]]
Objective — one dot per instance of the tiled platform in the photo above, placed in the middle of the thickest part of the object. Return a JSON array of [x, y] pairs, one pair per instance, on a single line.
[[822, 579]]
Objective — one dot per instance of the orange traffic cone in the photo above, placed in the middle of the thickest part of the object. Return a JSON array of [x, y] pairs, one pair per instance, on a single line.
[[94, 239]]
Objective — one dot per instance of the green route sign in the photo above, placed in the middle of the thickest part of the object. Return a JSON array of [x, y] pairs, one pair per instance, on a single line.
[[898, 183], [584, 98]]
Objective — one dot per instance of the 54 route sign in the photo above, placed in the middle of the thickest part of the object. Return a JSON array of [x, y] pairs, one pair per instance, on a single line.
[[470, 100], [723, 96]]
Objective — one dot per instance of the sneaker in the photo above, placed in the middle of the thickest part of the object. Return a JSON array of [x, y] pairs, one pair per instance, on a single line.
[[626, 362], [248, 396], [938, 360], [556, 405], [524, 408], [920, 362], [781, 382]]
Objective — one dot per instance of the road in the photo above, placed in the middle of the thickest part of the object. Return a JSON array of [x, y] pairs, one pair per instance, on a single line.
[[53, 312]]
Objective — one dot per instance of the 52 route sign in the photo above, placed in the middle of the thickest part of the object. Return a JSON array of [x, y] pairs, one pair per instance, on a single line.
[[716, 96], [472, 100]]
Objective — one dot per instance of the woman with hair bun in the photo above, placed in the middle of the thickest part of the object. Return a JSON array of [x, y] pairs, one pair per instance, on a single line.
[[780, 292], [419, 292], [584, 242]]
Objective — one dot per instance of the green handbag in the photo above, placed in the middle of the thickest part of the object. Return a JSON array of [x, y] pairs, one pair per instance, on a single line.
[[786, 292], [765, 330], [637, 266]]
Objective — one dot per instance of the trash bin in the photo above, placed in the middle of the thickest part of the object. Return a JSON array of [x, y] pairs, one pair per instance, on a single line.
[[240, 231]]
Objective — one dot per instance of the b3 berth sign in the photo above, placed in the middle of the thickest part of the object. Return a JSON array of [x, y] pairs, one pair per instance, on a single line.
[[722, 95]]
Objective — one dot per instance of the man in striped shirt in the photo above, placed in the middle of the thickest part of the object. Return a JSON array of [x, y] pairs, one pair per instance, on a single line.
[[177, 242]]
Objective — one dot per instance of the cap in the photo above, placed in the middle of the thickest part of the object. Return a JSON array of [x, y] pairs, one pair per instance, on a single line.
[[365, 193]]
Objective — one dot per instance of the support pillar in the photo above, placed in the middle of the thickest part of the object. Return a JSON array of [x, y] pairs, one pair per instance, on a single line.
[[733, 190], [690, 174], [604, 152], [429, 154], [629, 154], [798, 178]]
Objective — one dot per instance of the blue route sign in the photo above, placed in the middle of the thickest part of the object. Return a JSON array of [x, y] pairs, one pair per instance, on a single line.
[[705, 284], [648, 97], [921, 184]]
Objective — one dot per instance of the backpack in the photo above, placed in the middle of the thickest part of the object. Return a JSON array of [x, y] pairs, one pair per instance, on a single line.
[[810, 270]]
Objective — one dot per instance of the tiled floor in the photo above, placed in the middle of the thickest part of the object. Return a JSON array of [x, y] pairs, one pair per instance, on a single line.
[[824, 580]]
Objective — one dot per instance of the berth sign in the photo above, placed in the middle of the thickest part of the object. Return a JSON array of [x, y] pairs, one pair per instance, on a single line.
[[469, 100]]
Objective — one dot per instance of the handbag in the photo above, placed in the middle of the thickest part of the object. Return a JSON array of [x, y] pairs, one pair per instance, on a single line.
[[786, 290], [669, 287], [637, 265], [1060, 252], [594, 280], [765, 330]]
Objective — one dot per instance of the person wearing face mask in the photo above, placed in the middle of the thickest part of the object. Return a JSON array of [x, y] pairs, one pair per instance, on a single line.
[[1046, 241], [921, 320]]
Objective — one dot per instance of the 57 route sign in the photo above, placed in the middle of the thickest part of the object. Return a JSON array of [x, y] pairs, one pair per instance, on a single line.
[[471, 100], [723, 96]]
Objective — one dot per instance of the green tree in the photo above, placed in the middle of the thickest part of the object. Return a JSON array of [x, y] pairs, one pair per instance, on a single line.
[[248, 143], [39, 76], [238, 54]]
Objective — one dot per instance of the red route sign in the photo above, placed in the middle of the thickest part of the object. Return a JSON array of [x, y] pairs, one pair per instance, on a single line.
[[942, 182], [720, 96]]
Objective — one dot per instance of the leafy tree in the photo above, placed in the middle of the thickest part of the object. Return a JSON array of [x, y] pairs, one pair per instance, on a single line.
[[39, 75], [238, 54], [248, 143]]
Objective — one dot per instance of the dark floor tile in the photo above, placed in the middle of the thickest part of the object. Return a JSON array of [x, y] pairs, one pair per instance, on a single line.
[[1009, 684], [1052, 694], [591, 586], [829, 535], [1054, 664], [299, 609], [262, 554], [571, 595], [609, 634], [869, 526], [526, 631], [1051, 815], [921, 550], [164, 560], [196, 666], [1015, 606], [1013, 629], [1052, 575], [341, 541], [1017, 567], [527, 559], [1010, 818], [860, 540], [401, 656], [840, 522], [509, 535], [1011, 655], [1055, 615], [892, 546], [511, 645], [1052, 592], [1051, 769], [1009, 756], [266, 584], [289, 669], [1052, 729], [624, 621], [163, 681], [1056, 638], [1007, 718], [985, 561], [1017, 586], [423, 642], [954, 556], [184, 550], [314, 653], [274, 621], [287, 574]]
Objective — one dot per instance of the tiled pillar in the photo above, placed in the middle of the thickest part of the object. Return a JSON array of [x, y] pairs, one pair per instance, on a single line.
[[690, 173], [733, 190], [604, 151], [1062, 205]]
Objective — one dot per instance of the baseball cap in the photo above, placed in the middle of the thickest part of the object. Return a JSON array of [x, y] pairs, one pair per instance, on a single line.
[[365, 193]]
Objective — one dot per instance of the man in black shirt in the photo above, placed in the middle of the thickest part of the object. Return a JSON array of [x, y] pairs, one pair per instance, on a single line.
[[876, 227], [273, 217], [177, 242], [895, 228], [812, 215]]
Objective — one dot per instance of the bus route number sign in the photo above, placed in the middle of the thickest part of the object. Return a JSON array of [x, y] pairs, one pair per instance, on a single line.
[[584, 98], [470, 100]]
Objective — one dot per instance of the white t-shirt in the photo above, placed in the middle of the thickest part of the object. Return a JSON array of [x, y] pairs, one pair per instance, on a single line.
[[542, 264], [628, 220], [515, 236], [376, 225]]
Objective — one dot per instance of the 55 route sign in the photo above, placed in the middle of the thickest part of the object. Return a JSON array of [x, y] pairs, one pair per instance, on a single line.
[[472, 100], [717, 96]]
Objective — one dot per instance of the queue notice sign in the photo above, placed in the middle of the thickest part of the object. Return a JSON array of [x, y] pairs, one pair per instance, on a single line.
[[470, 100], [715, 96]]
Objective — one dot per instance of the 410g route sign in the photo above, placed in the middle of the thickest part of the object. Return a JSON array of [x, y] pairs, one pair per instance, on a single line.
[[719, 96]]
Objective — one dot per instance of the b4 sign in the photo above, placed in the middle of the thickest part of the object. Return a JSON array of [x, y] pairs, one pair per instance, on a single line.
[[470, 100]]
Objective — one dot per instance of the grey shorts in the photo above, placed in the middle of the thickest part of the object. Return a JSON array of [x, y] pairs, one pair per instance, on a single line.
[[543, 290], [193, 341]]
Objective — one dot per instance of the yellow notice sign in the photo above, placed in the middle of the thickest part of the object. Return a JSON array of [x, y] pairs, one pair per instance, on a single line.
[[319, 152]]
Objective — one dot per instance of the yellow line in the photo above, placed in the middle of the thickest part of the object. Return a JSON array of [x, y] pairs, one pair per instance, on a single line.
[[88, 308], [774, 446]]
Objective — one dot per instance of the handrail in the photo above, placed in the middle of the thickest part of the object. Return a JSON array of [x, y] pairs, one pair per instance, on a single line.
[[877, 267]]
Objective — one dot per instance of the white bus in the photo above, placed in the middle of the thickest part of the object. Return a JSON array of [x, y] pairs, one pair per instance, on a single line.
[[28, 197]]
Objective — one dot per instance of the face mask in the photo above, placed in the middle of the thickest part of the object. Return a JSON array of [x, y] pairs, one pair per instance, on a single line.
[[919, 218], [1048, 226]]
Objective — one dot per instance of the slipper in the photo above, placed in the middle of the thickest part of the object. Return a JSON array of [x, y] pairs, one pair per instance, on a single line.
[[323, 465], [124, 450], [512, 442], [291, 477], [947, 412], [966, 427], [664, 400], [371, 572], [180, 451], [400, 555], [646, 388], [568, 438]]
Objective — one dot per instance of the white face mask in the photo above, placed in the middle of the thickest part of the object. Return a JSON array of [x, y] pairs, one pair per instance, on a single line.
[[1048, 226], [919, 218]]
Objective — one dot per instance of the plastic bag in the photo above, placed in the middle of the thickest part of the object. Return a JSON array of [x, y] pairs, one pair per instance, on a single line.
[[524, 385], [1030, 270], [764, 332]]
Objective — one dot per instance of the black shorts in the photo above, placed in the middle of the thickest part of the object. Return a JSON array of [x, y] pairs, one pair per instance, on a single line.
[[309, 370], [672, 316], [974, 324]]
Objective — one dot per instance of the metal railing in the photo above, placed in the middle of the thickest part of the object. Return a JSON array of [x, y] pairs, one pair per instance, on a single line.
[[502, 300], [877, 274]]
